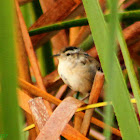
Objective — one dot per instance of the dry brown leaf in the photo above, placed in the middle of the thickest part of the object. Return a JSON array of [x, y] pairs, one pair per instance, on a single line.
[[59, 118], [45, 5], [39, 112], [38, 92], [69, 132], [57, 12]]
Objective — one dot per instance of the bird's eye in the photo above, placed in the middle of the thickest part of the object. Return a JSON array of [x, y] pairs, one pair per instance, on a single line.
[[68, 54]]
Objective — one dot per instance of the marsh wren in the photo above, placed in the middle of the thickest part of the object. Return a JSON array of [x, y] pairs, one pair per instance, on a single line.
[[77, 69]]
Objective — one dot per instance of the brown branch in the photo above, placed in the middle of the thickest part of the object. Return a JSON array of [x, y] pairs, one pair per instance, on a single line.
[[77, 122], [73, 32], [46, 5], [23, 71], [97, 135], [59, 94], [134, 51], [85, 30], [93, 52], [23, 102], [82, 35], [72, 134], [132, 37], [50, 78], [29, 48], [38, 92], [22, 2], [132, 33], [127, 4], [30, 51], [61, 10], [22, 60], [101, 124], [55, 85], [52, 81], [59, 40], [94, 95]]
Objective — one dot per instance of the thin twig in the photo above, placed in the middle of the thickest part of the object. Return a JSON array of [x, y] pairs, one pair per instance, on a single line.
[[38, 92], [59, 94], [94, 95], [23, 71], [82, 35], [77, 122], [30, 51]]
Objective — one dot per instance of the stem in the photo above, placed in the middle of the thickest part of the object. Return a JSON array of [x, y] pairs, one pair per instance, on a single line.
[[80, 22]]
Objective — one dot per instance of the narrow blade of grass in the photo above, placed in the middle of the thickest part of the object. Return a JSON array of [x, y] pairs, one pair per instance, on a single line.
[[9, 111], [129, 66], [120, 97], [80, 22], [110, 50]]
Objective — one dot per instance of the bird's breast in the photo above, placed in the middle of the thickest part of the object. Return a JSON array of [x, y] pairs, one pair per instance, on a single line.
[[79, 77]]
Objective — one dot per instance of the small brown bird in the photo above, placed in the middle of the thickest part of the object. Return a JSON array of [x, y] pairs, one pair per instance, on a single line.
[[77, 69]]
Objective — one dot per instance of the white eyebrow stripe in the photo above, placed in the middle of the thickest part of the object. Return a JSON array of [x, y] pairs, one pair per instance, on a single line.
[[73, 51]]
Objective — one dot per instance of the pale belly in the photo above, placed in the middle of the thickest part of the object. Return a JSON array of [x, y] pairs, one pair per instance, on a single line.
[[78, 78]]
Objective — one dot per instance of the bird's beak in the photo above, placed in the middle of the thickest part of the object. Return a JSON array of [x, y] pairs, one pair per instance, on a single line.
[[56, 55]]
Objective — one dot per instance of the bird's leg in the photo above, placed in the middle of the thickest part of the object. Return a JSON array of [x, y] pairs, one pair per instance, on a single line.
[[87, 95], [77, 95]]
